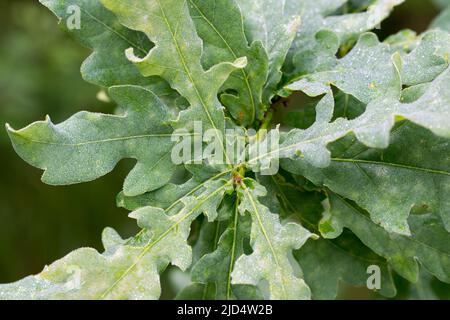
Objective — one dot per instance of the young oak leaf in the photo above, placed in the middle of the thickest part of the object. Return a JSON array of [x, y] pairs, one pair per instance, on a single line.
[[220, 25], [107, 66], [325, 262], [217, 266], [366, 72], [272, 244], [89, 145], [176, 57], [373, 127], [388, 183], [274, 23], [100, 31], [431, 110], [443, 20], [402, 252], [428, 60], [127, 269], [171, 194], [319, 16]]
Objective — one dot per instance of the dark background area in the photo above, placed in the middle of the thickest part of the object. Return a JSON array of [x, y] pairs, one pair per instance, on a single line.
[[39, 75]]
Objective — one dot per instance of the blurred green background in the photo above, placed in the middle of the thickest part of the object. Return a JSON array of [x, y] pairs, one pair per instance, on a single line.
[[39, 75]]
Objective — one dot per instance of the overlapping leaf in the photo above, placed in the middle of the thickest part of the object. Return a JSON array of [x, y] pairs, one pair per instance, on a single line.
[[212, 272], [219, 24], [100, 31], [413, 171], [443, 20], [427, 244], [367, 73], [274, 23], [325, 262], [319, 21], [272, 245], [387, 191], [176, 57]]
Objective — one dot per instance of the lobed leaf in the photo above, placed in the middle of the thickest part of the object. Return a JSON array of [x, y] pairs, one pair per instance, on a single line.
[[427, 243], [325, 263], [220, 25], [275, 24], [89, 145], [101, 32], [127, 269], [272, 244], [413, 171], [176, 57]]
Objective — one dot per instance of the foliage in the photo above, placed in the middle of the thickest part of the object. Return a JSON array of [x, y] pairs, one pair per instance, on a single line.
[[367, 183]]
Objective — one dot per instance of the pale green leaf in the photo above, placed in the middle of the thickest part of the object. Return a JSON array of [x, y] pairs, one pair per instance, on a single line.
[[219, 24], [427, 244], [100, 31], [127, 269], [176, 57], [89, 145], [320, 16], [443, 20], [274, 23], [373, 127], [388, 183], [272, 244], [326, 263]]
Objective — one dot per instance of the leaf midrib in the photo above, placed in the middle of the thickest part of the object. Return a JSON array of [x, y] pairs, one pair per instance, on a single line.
[[311, 225], [233, 249], [191, 79], [396, 165], [113, 31], [230, 49], [94, 141], [266, 236], [153, 243]]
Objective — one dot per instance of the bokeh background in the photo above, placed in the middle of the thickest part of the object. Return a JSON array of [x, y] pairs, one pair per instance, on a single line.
[[39, 75]]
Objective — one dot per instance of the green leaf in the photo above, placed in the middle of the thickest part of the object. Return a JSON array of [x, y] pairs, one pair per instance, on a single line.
[[319, 16], [428, 242], [428, 288], [89, 145], [429, 59], [403, 41], [127, 269], [272, 244], [176, 57], [373, 127], [220, 26], [388, 183], [367, 73], [217, 266], [370, 145], [100, 31], [274, 23], [171, 193], [326, 262]]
